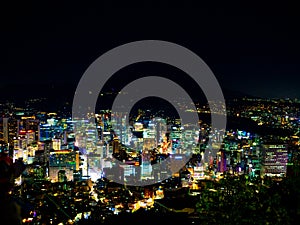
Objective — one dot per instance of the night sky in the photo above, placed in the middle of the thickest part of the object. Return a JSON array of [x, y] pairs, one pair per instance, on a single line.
[[255, 51]]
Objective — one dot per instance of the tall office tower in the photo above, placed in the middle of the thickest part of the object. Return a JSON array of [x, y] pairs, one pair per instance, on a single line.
[[274, 159], [161, 129], [80, 139], [46, 146], [146, 168], [120, 127], [46, 132], [221, 161], [99, 119], [116, 123], [116, 145], [48, 129], [91, 138], [30, 123], [175, 137], [125, 138], [9, 131], [28, 135], [20, 148], [150, 132], [86, 137]]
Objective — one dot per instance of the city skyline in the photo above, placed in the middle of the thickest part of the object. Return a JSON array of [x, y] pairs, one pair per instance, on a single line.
[[151, 146]]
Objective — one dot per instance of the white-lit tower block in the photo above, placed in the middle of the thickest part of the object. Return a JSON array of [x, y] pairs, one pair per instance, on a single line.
[[176, 137], [149, 143], [80, 136], [149, 137], [161, 129], [86, 136], [118, 122], [84, 165], [91, 138], [189, 139], [125, 131], [107, 147], [151, 132], [146, 165], [93, 155]]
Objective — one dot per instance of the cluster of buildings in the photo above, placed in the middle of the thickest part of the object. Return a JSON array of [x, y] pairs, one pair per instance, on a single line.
[[87, 148], [60, 150]]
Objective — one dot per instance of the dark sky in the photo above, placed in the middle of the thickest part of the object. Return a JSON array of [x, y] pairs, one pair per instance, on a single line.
[[254, 50]]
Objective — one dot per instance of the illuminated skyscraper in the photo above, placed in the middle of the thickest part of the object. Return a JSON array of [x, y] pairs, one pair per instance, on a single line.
[[146, 165], [30, 123], [87, 140], [9, 131]]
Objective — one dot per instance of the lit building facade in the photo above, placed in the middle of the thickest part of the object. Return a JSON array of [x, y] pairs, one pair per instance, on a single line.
[[67, 160]]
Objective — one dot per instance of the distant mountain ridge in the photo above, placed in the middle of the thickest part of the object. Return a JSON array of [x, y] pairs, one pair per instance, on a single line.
[[65, 91]]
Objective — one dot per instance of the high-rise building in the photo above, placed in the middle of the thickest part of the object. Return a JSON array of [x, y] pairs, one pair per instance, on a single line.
[[221, 161], [9, 131], [116, 145], [45, 146], [146, 170], [30, 124]]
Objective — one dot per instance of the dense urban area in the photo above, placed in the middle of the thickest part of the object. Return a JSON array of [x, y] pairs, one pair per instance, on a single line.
[[72, 175]]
